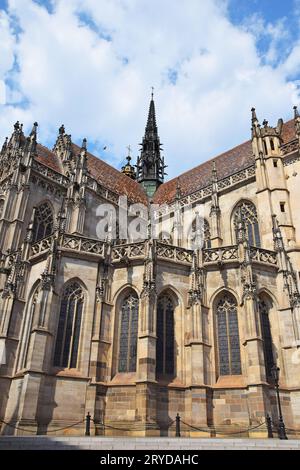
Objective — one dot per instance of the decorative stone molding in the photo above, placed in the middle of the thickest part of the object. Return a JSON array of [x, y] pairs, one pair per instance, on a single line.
[[173, 253], [87, 245], [222, 254], [263, 256], [122, 253]]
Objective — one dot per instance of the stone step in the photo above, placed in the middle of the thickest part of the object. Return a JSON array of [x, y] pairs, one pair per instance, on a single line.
[[137, 443]]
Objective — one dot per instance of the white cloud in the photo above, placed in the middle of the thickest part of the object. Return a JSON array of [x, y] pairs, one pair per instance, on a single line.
[[96, 76]]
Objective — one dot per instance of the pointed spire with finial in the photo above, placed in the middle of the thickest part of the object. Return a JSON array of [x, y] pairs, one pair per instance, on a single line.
[[150, 165], [178, 190], [4, 146], [254, 117], [33, 132], [214, 175], [84, 144], [61, 130], [254, 123]]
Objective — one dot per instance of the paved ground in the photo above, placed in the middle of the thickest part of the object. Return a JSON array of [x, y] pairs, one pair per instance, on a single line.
[[123, 443]]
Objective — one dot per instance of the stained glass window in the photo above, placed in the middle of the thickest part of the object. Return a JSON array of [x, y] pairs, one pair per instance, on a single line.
[[43, 222], [69, 326], [266, 336], [249, 214], [165, 336], [128, 333], [228, 336]]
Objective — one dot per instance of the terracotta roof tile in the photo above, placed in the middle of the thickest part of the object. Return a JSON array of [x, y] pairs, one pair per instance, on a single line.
[[48, 158], [105, 174], [113, 179], [227, 163]]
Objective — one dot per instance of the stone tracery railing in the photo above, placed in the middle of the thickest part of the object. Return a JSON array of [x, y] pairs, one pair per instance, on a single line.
[[49, 173], [222, 254], [173, 253], [42, 245], [263, 256], [128, 251], [163, 251], [83, 244], [71, 242]]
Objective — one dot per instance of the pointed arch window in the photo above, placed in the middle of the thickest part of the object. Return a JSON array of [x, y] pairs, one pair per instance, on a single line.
[[228, 336], [43, 222], [266, 336], [128, 332], [69, 326], [165, 336], [249, 214]]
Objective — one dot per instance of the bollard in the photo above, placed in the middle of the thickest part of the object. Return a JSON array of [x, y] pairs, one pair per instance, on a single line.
[[88, 424], [269, 426], [177, 426]]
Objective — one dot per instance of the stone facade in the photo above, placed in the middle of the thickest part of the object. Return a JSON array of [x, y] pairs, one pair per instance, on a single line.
[[246, 275]]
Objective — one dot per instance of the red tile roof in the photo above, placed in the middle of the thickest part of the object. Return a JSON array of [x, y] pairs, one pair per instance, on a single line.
[[227, 163], [105, 174]]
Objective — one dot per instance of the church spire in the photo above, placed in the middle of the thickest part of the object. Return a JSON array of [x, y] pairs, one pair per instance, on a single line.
[[150, 165]]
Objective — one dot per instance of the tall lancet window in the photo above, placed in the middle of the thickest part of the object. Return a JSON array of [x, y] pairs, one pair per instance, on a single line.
[[69, 326], [249, 214], [266, 336], [165, 336], [43, 222], [228, 341], [128, 332]]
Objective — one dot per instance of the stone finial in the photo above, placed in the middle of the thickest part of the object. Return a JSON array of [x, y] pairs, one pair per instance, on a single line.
[[61, 130], [4, 146], [254, 117], [214, 172], [84, 144], [296, 112], [34, 129], [178, 190]]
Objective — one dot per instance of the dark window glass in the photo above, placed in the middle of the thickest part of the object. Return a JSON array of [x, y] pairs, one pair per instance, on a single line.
[[248, 212], [69, 326], [43, 222], [267, 337], [228, 336], [128, 334], [165, 336]]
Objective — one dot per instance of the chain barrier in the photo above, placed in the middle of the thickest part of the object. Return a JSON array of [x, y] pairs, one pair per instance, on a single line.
[[35, 432], [223, 432], [177, 421]]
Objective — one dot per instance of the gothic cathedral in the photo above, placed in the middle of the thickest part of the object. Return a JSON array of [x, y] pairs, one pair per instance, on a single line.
[[136, 331]]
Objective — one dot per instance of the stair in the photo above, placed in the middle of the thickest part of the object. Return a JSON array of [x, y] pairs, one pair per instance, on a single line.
[[140, 443]]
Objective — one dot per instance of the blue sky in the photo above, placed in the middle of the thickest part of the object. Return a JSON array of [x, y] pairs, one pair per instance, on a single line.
[[91, 64]]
